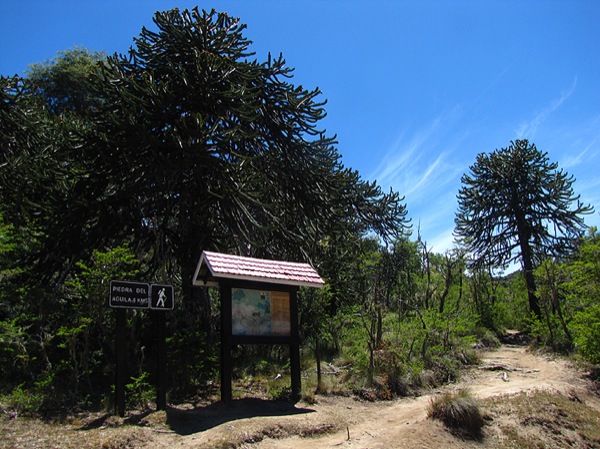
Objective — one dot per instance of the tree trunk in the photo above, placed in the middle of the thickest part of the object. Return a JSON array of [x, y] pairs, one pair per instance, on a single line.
[[524, 234], [318, 358], [460, 290], [379, 337], [550, 331], [428, 291], [449, 278], [534, 304], [195, 299], [556, 308]]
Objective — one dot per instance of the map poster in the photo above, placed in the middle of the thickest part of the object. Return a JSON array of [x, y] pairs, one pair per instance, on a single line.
[[280, 313], [260, 312]]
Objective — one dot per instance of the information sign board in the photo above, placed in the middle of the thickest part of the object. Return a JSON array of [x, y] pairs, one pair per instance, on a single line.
[[161, 297], [129, 295], [260, 312]]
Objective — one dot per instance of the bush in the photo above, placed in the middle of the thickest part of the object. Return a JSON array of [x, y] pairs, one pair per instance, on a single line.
[[458, 411], [549, 333], [486, 338], [22, 401], [140, 392], [394, 375], [586, 325], [280, 393]]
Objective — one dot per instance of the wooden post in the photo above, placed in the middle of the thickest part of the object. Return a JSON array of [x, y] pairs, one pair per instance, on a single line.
[[295, 347], [161, 360], [318, 358], [120, 349], [226, 330]]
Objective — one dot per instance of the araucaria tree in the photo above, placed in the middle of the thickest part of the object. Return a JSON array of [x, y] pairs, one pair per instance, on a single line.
[[187, 142], [190, 143], [201, 146], [516, 205]]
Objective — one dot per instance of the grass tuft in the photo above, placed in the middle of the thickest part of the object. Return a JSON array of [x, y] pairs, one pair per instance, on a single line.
[[458, 411]]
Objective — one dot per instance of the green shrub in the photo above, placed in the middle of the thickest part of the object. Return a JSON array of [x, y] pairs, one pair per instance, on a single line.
[[445, 369], [394, 375], [458, 411], [549, 333], [466, 356], [486, 338], [586, 326], [140, 392], [23, 401], [280, 393]]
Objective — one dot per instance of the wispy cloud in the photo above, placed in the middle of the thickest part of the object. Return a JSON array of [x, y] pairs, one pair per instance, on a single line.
[[575, 143], [435, 218], [431, 171], [425, 167], [528, 129], [575, 160], [414, 161], [443, 241], [403, 156]]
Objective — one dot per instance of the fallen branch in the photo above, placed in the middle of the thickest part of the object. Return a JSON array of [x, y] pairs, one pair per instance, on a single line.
[[498, 368]]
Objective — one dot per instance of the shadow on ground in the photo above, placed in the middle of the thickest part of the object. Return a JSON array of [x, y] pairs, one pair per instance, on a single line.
[[187, 422]]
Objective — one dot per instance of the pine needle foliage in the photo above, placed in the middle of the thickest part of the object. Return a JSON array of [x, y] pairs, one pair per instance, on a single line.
[[517, 206]]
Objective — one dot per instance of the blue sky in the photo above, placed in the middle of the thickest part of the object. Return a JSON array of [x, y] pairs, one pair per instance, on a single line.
[[415, 89]]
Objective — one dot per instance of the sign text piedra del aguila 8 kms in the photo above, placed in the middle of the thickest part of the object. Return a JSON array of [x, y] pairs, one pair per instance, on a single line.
[[138, 295]]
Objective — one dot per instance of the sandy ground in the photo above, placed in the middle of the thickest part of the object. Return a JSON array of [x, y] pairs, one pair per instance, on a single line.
[[339, 422]]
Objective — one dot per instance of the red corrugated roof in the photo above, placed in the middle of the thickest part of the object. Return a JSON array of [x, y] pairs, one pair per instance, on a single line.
[[227, 266]]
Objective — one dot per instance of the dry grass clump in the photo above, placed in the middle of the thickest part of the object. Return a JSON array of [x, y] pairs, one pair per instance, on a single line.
[[32, 433], [459, 411], [275, 432], [548, 419]]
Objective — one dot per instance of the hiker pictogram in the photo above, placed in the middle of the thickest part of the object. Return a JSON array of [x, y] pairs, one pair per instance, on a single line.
[[161, 297]]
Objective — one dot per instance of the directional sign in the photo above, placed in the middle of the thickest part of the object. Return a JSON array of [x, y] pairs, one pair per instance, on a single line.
[[161, 297], [129, 295]]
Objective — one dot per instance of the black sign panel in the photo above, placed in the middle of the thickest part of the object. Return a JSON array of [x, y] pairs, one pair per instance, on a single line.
[[161, 297], [129, 295]]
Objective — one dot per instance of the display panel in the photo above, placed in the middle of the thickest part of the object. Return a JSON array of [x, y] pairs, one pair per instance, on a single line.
[[260, 312]]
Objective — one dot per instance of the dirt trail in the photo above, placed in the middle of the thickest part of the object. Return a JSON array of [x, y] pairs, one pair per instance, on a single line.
[[400, 424]]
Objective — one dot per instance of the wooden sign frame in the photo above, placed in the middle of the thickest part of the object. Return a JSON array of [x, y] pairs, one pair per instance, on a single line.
[[228, 338]]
